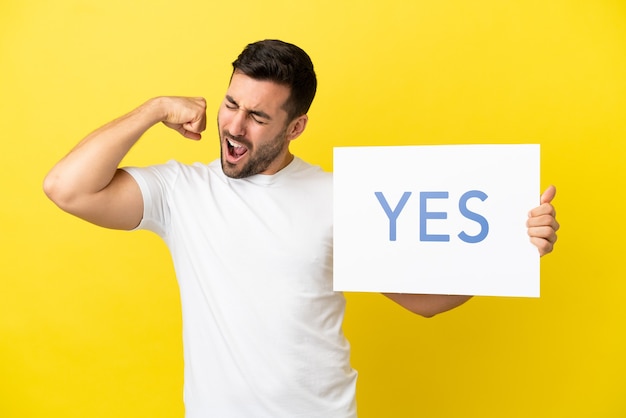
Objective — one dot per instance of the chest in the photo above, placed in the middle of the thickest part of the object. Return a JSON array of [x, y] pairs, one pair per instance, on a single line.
[[281, 236]]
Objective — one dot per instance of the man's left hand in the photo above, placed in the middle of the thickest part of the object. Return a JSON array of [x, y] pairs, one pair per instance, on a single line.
[[542, 224]]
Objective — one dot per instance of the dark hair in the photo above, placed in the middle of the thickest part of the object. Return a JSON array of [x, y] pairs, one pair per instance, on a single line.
[[282, 63]]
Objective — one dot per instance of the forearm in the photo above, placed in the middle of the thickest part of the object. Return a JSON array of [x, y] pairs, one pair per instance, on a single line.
[[91, 165], [428, 305]]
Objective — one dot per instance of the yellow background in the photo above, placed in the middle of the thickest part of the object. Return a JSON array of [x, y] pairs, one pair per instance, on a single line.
[[90, 318]]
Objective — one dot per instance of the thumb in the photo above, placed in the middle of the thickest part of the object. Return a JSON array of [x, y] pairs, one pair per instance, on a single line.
[[181, 129], [195, 126], [548, 195]]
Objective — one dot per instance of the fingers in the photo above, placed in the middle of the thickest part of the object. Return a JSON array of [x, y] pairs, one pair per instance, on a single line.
[[546, 232], [543, 220], [548, 195], [190, 133], [542, 224], [181, 129], [544, 246], [543, 227], [543, 209], [187, 116], [197, 122], [543, 237], [196, 126]]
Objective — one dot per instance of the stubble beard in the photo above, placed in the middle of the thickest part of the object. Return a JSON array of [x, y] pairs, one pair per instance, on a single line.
[[259, 158]]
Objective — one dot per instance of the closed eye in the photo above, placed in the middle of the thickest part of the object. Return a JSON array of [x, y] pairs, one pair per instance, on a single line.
[[260, 119], [258, 116], [231, 103]]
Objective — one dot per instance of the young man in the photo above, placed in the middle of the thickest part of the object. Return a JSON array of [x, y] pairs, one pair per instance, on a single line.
[[251, 239]]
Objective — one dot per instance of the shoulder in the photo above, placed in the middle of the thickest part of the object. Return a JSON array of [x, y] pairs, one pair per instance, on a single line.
[[307, 183], [172, 171], [303, 170]]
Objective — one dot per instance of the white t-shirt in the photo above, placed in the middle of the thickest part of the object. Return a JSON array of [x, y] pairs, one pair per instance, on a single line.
[[262, 326]]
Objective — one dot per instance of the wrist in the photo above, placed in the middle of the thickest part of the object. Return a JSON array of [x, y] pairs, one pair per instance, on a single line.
[[154, 110]]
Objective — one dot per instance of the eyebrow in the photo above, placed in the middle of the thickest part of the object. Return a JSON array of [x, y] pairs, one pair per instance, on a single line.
[[258, 113]]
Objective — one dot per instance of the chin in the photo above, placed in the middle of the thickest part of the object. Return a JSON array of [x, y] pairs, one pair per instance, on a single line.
[[230, 170]]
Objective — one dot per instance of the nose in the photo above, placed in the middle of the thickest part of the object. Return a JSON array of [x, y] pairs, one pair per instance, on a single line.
[[237, 124]]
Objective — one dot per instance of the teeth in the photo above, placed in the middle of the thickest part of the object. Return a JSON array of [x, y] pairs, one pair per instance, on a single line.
[[233, 144]]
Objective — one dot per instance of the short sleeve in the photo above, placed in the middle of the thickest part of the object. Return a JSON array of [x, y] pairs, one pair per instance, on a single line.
[[155, 183]]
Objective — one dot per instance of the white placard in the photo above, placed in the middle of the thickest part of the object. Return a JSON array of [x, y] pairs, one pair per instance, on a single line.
[[447, 219]]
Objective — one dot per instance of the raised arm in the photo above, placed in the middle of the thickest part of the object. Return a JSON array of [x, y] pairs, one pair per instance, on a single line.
[[87, 182], [542, 227]]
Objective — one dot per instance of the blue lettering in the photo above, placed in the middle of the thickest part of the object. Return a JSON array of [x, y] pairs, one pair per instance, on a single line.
[[474, 217], [425, 215], [392, 214]]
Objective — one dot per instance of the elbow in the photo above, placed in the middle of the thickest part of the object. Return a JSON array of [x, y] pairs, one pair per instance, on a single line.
[[426, 313], [55, 190], [417, 306], [447, 303], [50, 187], [427, 306]]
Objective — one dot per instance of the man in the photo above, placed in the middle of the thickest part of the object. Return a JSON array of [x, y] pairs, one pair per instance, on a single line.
[[251, 239]]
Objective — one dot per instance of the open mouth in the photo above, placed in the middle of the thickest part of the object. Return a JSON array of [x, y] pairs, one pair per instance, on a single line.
[[235, 150]]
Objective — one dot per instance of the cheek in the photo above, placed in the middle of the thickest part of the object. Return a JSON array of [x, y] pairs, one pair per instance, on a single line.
[[262, 136]]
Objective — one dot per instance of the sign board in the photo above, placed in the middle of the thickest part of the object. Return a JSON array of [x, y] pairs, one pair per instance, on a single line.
[[436, 219]]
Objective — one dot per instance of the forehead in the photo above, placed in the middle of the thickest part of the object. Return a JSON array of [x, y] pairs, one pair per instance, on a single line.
[[252, 94]]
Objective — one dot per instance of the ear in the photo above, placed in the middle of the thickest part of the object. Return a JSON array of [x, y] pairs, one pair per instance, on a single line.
[[296, 127]]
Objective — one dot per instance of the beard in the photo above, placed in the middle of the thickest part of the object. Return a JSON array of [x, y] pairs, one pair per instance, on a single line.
[[259, 157]]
